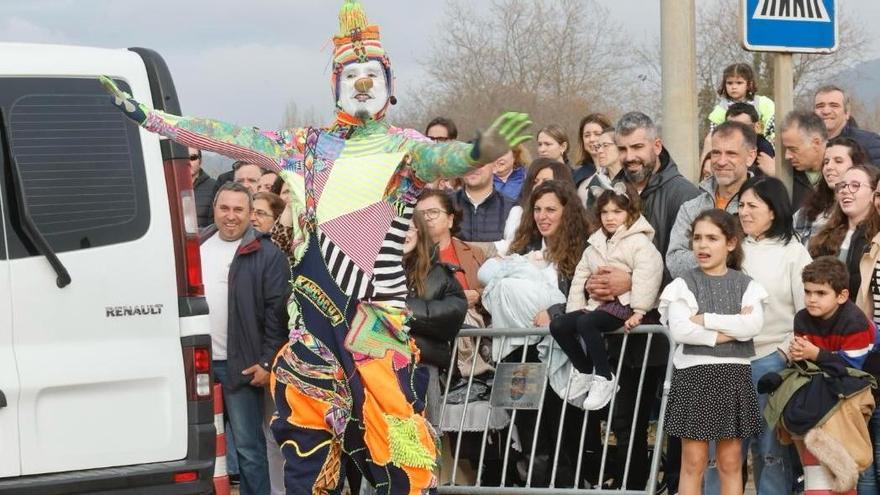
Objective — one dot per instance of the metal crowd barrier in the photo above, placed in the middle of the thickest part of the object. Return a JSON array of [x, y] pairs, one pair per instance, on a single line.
[[520, 390]]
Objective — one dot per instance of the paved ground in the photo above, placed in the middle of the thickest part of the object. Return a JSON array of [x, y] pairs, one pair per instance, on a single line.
[[750, 489]]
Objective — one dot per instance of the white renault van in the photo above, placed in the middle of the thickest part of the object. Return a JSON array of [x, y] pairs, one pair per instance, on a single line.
[[105, 379]]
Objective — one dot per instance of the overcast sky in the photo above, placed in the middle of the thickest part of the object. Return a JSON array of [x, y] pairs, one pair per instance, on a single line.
[[242, 61]]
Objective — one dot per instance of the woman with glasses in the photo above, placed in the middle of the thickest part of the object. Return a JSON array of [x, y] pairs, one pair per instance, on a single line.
[[441, 221], [853, 223], [840, 154], [267, 208], [590, 130], [609, 168]]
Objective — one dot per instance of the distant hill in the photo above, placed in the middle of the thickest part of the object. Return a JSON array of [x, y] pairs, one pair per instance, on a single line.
[[863, 82]]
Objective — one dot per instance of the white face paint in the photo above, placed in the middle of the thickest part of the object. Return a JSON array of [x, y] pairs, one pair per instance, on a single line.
[[369, 95]]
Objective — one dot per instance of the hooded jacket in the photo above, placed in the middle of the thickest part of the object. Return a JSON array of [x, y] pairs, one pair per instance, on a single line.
[[437, 315], [679, 258], [631, 250], [258, 292]]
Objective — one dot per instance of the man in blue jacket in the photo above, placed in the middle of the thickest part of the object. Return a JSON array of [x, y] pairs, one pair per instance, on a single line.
[[831, 104], [245, 277]]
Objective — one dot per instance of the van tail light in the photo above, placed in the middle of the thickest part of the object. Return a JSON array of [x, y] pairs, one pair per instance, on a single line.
[[186, 476], [197, 365], [185, 228]]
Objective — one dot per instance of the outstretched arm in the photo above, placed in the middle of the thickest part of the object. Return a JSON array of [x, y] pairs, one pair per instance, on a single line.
[[432, 161], [248, 144]]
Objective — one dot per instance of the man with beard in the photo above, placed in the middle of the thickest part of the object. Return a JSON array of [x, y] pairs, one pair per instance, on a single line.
[[649, 168], [733, 148]]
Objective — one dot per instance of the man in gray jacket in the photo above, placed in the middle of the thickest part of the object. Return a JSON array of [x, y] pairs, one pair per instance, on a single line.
[[733, 149]]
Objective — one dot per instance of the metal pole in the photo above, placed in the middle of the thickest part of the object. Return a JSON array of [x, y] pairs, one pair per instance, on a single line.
[[679, 83], [783, 92]]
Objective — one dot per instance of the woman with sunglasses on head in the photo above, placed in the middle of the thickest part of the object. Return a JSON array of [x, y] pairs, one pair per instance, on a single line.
[[852, 224], [438, 307]]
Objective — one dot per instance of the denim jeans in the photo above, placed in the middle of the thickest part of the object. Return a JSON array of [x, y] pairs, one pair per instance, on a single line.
[[869, 480], [771, 461], [245, 409]]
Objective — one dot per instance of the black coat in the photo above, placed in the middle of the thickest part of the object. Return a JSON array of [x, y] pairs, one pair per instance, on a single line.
[[258, 292], [203, 189], [438, 316], [800, 189]]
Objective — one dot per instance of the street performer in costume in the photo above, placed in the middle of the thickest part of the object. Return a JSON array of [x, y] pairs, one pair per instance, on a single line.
[[343, 386]]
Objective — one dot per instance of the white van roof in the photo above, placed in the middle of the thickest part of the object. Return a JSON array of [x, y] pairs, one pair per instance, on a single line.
[[35, 59]]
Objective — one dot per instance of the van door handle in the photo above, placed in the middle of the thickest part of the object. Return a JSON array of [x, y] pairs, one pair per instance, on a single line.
[[2, 400]]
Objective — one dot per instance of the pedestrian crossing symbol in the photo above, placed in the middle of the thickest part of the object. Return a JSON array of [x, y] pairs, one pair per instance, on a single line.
[[805, 26]]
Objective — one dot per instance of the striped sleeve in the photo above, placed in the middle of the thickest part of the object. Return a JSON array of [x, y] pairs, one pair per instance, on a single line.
[[856, 346], [240, 143]]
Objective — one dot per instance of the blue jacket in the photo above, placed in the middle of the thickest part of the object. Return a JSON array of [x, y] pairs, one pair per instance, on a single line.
[[258, 293], [513, 187]]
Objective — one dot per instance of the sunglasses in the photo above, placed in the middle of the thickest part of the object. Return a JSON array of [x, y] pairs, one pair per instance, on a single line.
[[195, 157]]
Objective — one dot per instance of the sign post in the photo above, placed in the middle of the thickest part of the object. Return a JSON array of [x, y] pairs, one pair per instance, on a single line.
[[786, 27]]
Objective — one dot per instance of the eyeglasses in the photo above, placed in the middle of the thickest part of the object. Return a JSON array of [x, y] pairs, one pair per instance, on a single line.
[[602, 146], [432, 213], [852, 187], [439, 139], [263, 214], [193, 158]]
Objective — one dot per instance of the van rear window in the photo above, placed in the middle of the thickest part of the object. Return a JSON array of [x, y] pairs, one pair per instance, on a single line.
[[80, 160]]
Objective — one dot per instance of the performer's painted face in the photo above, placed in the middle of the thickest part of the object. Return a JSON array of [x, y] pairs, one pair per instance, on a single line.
[[363, 89]]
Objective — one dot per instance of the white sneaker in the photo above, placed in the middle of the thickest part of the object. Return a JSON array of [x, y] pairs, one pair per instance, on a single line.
[[579, 386], [601, 392]]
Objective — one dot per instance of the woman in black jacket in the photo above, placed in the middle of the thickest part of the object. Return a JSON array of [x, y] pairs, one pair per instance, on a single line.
[[438, 306]]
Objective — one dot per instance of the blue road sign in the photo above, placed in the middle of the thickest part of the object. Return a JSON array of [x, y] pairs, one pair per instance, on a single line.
[[806, 26]]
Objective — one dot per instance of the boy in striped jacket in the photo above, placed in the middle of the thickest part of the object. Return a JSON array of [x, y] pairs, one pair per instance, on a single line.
[[831, 326]]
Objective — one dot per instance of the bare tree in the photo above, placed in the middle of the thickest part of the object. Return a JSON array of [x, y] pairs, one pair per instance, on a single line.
[[718, 45], [294, 117], [555, 59]]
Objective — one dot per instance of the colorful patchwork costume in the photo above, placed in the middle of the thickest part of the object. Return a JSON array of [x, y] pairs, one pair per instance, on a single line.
[[344, 384]]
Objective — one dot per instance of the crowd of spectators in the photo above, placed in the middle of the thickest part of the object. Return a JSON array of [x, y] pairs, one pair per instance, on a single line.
[[587, 246]]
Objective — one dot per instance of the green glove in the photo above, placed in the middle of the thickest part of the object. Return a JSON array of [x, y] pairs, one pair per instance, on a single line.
[[505, 133], [132, 109]]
